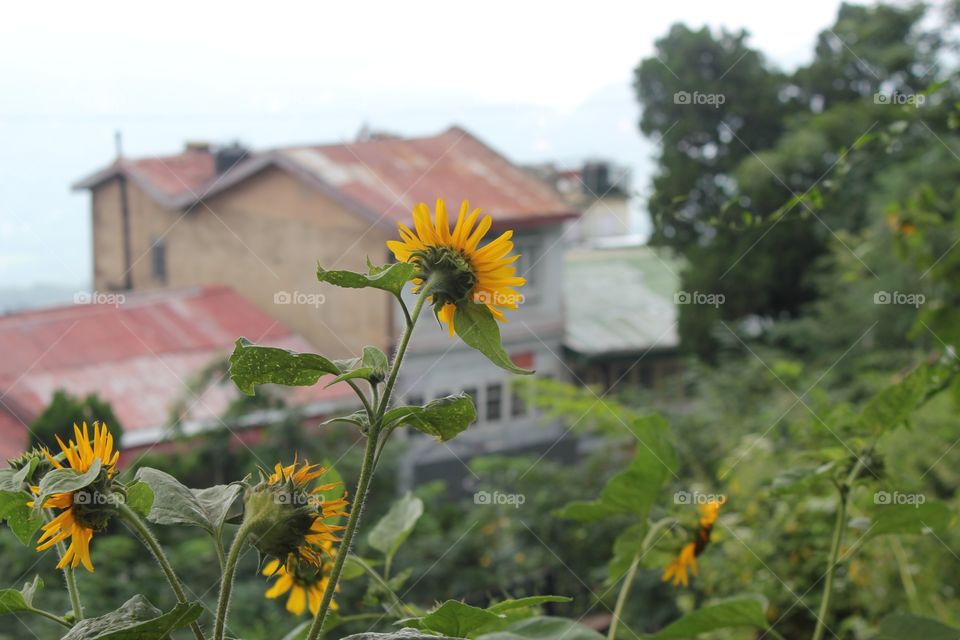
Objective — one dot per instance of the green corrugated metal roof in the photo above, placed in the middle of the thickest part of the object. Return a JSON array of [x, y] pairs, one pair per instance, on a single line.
[[620, 301]]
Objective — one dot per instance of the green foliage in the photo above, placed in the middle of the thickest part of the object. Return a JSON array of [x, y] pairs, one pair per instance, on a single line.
[[442, 418], [21, 519], [391, 278], [65, 410], [65, 480], [476, 327], [748, 611], [901, 626], [14, 600], [392, 529], [175, 504], [251, 365], [137, 619]]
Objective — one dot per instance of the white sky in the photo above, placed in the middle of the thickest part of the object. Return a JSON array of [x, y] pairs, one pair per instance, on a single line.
[[537, 80]]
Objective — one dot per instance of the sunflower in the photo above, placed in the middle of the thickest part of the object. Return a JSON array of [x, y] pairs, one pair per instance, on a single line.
[[681, 567], [292, 519], [460, 270], [305, 583], [85, 510]]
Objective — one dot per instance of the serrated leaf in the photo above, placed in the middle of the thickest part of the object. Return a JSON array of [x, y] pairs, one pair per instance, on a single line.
[[908, 519], [477, 327], [253, 364], [453, 618], [442, 418], [174, 504], [892, 406], [543, 628], [137, 619], [14, 600], [393, 528], [21, 519], [139, 497], [390, 278], [65, 480], [743, 611], [904, 626]]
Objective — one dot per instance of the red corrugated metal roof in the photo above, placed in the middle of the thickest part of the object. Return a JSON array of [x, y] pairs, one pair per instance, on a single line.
[[139, 355], [382, 177]]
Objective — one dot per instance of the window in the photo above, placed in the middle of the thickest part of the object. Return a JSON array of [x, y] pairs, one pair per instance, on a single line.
[[472, 392], [494, 402], [528, 263], [158, 255], [518, 400]]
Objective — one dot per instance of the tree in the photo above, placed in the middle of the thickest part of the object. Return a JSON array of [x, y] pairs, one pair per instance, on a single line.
[[64, 411]]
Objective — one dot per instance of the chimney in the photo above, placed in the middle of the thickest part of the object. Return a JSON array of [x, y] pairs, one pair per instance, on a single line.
[[227, 157]]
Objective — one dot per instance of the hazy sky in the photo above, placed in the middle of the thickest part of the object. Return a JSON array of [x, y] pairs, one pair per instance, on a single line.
[[537, 80]]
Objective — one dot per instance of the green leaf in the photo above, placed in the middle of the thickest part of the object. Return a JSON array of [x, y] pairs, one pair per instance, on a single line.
[[543, 628], [13, 600], [800, 478], [371, 366], [529, 601], [893, 406], [137, 619], [742, 611], [65, 480], [442, 418], [390, 278], [21, 519], [252, 364], [393, 528], [903, 626], [908, 518], [634, 489], [403, 634], [140, 497], [174, 503], [477, 327], [627, 544], [453, 618], [353, 567]]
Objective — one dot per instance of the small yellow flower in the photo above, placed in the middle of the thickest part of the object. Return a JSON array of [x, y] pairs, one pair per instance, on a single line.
[[290, 518], [85, 510], [680, 568], [677, 569], [462, 270], [305, 583]]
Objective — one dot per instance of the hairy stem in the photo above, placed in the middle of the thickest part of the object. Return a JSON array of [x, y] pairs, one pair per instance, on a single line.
[[226, 583], [49, 616], [146, 536], [70, 577], [366, 470]]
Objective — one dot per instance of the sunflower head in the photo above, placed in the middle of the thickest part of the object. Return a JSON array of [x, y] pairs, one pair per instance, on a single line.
[[304, 581], [288, 516], [85, 510], [457, 269]]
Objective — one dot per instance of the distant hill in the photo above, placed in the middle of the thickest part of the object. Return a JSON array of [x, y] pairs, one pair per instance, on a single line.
[[42, 295]]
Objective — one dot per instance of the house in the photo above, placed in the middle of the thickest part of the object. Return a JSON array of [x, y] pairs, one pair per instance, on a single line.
[[141, 352], [260, 221], [601, 190], [621, 330]]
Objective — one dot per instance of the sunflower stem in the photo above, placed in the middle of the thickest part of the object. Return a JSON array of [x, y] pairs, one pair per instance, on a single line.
[[150, 541], [226, 583], [370, 458], [839, 528], [632, 573], [71, 579]]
